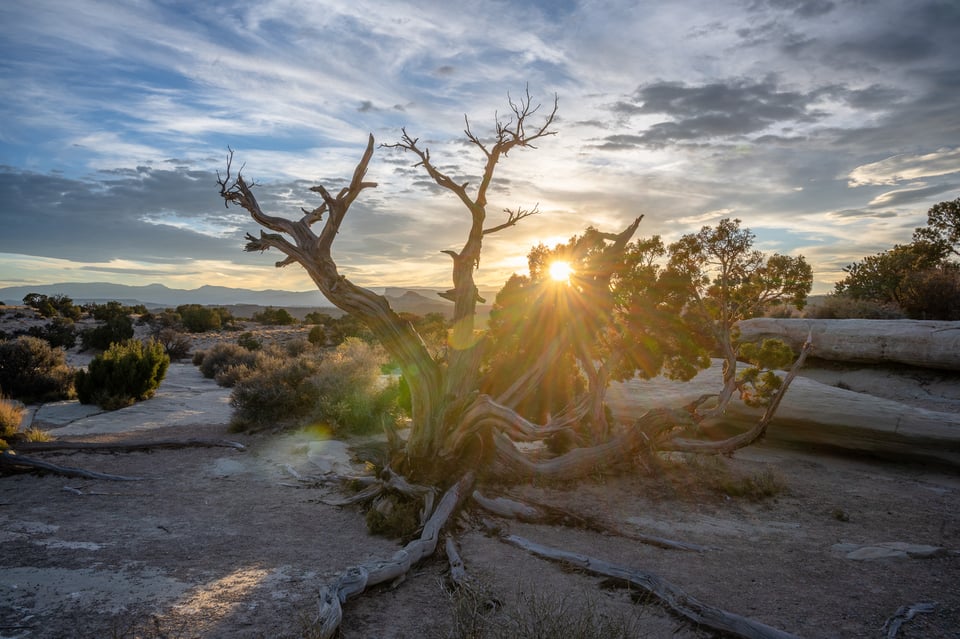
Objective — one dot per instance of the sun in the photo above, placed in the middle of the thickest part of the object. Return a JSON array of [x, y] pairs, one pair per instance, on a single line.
[[560, 271]]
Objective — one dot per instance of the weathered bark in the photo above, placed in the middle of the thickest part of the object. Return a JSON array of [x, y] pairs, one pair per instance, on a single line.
[[544, 514], [19, 463], [670, 595], [108, 447], [357, 579]]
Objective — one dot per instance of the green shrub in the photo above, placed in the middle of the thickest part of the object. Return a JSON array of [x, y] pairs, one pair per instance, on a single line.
[[222, 356], [199, 319], [317, 336], [280, 390], [33, 371], [125, 373], [59, 332], [114, 330], [343, 390], [837, 306], [249, 342], [274, 317]]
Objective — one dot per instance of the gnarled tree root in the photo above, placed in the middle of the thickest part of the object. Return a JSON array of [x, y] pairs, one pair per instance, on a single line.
[[125, 447], [545, 514], [353, 581], [670, 595], [19, 463]]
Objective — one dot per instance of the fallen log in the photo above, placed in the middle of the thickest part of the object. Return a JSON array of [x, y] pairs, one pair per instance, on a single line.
[[21, 463], [167, 444], [670, 595]]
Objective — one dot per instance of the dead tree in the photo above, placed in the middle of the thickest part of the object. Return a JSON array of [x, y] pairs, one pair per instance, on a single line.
[[457, 435]]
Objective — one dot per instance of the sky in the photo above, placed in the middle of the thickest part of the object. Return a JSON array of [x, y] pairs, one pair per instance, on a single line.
[[828, 127]]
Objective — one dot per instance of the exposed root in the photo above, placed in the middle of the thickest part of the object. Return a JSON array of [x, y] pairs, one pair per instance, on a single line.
[[532, 512], [355, 580], [125, 447], [670, 595], [19, 463]]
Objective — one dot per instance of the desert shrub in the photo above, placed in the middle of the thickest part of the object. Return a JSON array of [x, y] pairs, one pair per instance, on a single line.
[[296, 347], [175, 345], [279, 390], [59, 332], [33, 371], [317, 336], [197, 358], [123, 374], [932, 294], [343, 390], [838, 306], [52, 306], [199, 319], [249, 342], [222, 356], [274, 317], [114, 330], [229, 376], [11, 414]]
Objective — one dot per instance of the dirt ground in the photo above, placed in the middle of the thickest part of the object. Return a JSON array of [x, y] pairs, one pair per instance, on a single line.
[[221, 543], [224, 543]]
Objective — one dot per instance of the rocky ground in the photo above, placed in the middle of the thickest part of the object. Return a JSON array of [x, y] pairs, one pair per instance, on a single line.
[[217, 542]]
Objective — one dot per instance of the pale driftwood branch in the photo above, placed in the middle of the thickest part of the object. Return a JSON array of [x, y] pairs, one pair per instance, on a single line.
[[903, 615], [19, 462], [353, 581], [545, 514], [458, 572], [129, 446], [670, 595]]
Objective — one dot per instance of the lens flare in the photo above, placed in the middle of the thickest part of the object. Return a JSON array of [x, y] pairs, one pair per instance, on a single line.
[[560, 271]]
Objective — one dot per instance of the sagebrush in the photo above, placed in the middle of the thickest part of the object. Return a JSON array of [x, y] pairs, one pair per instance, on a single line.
[[33, 371]]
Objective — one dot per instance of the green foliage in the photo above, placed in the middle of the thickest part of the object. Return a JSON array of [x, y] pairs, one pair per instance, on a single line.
[[125, 373], [274, 317], [933, 293], [117, 328], [222, 356], [729, 280], [317, 336], [317, 317], [249, 342], [33, 371], [943, 227], [110, 310], [59, 332], [52, 306], [758, 383], [880, 277], [200, 319], [917, 277], [342, 390], [840, 306]]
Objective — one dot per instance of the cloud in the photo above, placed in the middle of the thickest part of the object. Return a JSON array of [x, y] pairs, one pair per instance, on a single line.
[[905, 167], [721, 110]]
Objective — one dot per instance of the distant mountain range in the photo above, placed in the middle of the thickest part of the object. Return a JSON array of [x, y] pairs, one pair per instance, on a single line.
[[412, 300]]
